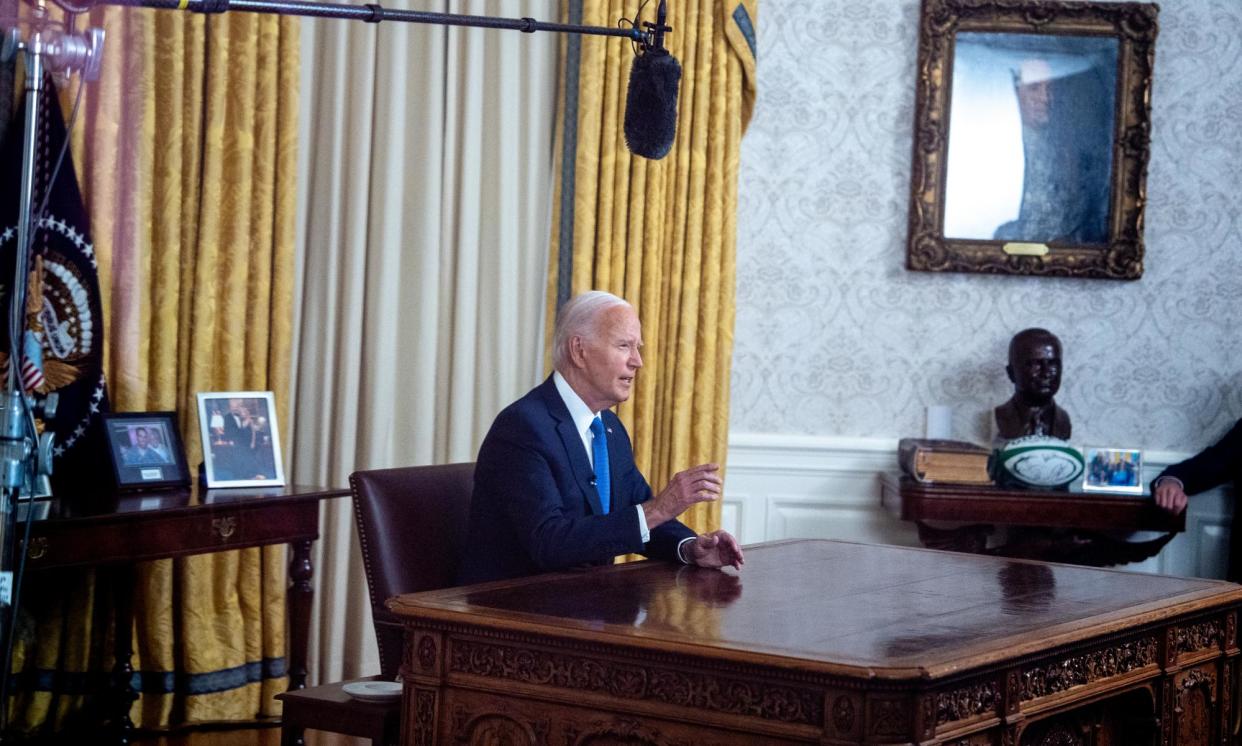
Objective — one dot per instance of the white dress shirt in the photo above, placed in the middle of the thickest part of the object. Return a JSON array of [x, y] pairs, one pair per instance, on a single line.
[[582, 417]]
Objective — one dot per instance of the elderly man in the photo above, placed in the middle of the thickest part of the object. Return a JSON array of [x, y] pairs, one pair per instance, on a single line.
[[556, 486]]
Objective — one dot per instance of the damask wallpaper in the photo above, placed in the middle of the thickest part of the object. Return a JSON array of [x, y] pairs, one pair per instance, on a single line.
[[835, 337]]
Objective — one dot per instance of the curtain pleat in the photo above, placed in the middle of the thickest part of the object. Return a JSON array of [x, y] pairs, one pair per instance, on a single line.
[[186, 151], [661, 234], [424, 208]]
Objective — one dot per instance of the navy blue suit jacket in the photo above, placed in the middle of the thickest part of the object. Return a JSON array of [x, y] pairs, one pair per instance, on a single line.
[[535, 508], [1212, 467]]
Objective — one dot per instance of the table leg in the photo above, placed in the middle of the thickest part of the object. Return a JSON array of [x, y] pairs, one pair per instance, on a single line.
[[291, 736], [121, 695], [301, 591]]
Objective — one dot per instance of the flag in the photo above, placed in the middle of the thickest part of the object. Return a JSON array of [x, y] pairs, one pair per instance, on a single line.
[[31, 371], [32, 363], [63, 347]]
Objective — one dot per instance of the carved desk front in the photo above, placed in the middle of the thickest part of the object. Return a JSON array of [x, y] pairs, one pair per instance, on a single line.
[[828, 643]]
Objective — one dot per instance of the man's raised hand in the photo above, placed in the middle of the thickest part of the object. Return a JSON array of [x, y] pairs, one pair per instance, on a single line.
[[697, 484]]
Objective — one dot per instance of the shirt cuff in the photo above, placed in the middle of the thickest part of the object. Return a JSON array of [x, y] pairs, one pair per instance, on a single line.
[[680, 546], [643, 532], [1181, 485]]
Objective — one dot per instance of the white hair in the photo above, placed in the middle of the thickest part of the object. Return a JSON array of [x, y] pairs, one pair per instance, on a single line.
[[579, 317]]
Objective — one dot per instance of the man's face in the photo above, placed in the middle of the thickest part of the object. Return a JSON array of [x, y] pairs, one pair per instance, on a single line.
[[141, 439], [609, 359], [1036, 372], [1035, 92]]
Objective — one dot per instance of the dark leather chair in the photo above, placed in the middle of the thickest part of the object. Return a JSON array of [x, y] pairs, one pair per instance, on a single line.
[[412, 529]]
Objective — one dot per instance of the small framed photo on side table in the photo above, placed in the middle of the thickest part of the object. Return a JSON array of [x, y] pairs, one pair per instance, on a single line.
[[241, 447], [1113, 470], [146, 450]]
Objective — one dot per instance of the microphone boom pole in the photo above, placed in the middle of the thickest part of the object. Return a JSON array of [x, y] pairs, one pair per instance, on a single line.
[[650, 121], [375, 13]]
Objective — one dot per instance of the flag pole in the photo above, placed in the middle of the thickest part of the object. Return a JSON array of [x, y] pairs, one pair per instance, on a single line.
[[24, 452], [33, 52], [16, 441]]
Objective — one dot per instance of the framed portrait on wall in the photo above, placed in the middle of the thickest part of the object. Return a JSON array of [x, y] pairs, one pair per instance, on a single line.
[[146, 450], [241, 444]]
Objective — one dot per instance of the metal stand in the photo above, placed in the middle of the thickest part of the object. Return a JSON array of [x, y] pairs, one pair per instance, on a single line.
[[24, 453]]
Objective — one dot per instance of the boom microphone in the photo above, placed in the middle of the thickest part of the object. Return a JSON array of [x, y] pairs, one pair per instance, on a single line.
[[651, 97]]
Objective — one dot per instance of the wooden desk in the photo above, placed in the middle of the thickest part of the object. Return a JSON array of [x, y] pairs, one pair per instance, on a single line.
[[119, 530], [1078, 527], [828, 643]]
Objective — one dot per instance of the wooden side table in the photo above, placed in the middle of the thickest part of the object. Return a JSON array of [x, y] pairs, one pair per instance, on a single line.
[[115, 531], [1059, 526], [329, 708]]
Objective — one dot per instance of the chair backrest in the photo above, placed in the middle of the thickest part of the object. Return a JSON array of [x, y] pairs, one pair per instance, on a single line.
[[412, 530]]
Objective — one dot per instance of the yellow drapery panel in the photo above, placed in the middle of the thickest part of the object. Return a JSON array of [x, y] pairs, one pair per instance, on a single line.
[[186, 154], [661, 234]]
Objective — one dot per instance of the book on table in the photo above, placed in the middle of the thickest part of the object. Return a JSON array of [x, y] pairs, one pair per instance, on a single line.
[[951, 461]]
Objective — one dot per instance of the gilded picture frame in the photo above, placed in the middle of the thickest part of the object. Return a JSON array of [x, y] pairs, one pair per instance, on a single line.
[[1068, 70]]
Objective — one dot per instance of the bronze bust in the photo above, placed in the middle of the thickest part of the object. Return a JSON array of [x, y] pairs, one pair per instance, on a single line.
[[1035, 369]]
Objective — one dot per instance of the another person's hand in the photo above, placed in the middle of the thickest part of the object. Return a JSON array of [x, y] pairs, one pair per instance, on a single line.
[[715, 549], [694, 485], [1170, 496]]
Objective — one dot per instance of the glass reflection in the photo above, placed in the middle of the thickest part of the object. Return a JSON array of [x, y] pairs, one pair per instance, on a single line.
[[1030, 139]]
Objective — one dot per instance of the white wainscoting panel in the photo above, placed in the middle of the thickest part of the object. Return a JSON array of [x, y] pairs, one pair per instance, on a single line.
[[828, 487], [809, 487]]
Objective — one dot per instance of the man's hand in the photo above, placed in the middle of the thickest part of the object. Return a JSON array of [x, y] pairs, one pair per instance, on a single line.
[[716, 549], [1170, 496], [694, 485]]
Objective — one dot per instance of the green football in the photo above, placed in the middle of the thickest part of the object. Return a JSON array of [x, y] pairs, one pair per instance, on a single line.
[[1041, 461]]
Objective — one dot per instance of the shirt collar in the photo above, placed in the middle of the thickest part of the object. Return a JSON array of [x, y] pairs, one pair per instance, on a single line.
[[578, 409]]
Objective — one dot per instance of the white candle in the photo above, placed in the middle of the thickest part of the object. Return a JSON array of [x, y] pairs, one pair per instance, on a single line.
[[939, 421]]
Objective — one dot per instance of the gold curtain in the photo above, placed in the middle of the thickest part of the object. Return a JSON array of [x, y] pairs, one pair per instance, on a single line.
[[661, 234], [186, 154]]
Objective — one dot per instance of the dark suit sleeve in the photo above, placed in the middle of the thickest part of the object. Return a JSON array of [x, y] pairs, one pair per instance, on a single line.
[[1211, 467], [547, 521], [665, 537]]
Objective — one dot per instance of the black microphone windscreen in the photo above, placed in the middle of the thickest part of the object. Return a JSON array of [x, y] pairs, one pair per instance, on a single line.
[[651, 104]]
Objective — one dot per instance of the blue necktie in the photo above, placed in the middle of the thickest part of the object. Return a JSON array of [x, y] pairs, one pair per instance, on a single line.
[[599, 452]]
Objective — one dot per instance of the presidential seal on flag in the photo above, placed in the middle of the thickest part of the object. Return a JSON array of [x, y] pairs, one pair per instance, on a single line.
[[59, 339]]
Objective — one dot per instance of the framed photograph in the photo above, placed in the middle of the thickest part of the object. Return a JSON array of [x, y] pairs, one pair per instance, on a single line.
[[146, 450], [1113, 470], [241, 446]]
